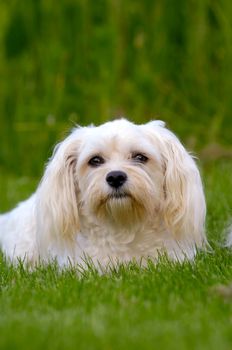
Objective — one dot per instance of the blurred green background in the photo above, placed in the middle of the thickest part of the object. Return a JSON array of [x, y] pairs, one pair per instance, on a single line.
[[65, 62]]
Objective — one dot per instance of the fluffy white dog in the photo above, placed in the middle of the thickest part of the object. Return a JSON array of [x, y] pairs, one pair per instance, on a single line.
[[115, 192]]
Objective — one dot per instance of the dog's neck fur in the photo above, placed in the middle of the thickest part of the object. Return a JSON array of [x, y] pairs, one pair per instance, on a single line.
[[118, 242]]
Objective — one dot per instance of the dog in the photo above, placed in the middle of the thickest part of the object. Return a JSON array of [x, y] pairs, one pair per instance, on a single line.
[[116, 193]]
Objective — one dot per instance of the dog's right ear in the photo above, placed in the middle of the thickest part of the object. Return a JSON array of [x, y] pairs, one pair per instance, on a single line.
[[56, 208]]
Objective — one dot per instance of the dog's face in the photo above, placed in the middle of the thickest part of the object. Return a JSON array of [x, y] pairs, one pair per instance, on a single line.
[[120, 174]]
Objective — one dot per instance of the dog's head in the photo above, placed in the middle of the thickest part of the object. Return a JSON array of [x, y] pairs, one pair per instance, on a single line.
[[120, 174]]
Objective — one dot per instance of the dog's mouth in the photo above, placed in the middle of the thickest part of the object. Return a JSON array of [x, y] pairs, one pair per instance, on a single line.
[[118, 195], [120, 208]]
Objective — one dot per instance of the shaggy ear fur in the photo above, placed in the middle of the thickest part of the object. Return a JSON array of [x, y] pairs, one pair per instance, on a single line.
[[56, 201], [184, 206]]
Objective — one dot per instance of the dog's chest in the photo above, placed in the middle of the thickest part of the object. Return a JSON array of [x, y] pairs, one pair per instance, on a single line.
[[107, 243]]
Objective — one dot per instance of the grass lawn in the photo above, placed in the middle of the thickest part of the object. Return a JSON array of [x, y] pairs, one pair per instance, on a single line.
[[166, 306]]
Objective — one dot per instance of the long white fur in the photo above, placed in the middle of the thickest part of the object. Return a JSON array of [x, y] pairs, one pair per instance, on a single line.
[[71, 215]]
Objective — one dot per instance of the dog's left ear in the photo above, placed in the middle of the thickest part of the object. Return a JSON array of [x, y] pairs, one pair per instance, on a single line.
[[56, 208], [184, 206]]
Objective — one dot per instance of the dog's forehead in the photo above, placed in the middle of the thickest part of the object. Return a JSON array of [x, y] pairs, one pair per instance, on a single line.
[[117, 137]]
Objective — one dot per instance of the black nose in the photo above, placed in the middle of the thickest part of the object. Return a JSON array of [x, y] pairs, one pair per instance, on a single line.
[[116, 178]]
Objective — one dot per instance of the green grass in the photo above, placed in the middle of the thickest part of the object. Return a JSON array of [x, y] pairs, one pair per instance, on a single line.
[[165, 306]]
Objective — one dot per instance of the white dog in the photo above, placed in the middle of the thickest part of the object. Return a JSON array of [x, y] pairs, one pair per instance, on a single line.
[[115, 192]]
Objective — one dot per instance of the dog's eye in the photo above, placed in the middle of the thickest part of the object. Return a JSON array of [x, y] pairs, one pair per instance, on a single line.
[[139, 157], [96, 161]]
